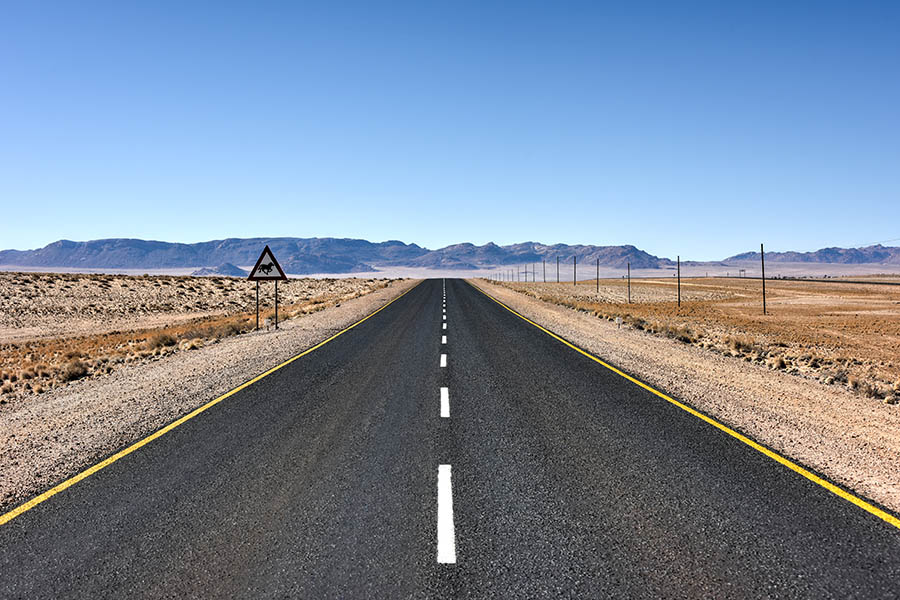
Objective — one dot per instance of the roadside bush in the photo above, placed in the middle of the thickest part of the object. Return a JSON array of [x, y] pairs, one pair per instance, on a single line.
[[160, 341], [74, 370], [740, 344], [870, 390]]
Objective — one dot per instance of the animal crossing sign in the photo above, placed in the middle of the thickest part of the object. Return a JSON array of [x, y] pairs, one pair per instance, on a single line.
[[267, 269]]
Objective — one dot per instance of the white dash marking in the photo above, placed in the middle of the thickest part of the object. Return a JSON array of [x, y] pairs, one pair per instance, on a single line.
[[445, 317], [445, 402], [445, 326], [446, 535], [443, 339], [443, 360]]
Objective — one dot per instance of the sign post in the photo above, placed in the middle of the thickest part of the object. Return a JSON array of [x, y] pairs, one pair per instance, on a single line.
[[267, 269]]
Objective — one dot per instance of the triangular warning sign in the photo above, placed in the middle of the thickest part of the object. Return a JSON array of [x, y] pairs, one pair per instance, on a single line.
[[267, 268]]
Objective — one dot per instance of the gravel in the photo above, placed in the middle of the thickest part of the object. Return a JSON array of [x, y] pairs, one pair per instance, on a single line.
[[48, 439], [849, 439]]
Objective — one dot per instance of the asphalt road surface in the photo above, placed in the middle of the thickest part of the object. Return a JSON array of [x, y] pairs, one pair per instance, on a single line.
[[548, 476]]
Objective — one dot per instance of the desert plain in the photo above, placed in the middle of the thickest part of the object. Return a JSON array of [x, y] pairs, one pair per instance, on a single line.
[[60, 327], [843, 332]]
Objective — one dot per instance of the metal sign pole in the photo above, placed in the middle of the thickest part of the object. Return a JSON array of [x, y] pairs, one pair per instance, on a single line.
[[257, 304], [629, 283], [762, 258], [276, 304], [679, 281]]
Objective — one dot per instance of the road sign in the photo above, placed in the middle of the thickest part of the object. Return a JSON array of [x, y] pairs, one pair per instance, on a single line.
[[267, 268]]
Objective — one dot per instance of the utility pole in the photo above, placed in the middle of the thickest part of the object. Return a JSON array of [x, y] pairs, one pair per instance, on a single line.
[[629, 283], [518, 275], [598, 275], [762, 259], [557, 268], [544, 264], [574, 270], [679, 280]]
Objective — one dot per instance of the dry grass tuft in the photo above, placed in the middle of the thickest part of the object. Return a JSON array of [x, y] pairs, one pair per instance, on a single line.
[[777, 363], [162, 340], [74, 370]]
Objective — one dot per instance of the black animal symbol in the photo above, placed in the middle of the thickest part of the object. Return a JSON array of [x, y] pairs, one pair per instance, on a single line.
[[267, 268]]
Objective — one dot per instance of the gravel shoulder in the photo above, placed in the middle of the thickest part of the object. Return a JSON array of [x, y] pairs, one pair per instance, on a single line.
[[44, 441], [849, 439]]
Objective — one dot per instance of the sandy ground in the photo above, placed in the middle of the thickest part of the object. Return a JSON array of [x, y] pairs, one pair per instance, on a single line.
[[46, 438], [852, 440]]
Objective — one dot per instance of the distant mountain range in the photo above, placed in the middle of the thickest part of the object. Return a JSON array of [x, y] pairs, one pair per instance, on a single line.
[[877, 254], [311, 255], [333, 255]]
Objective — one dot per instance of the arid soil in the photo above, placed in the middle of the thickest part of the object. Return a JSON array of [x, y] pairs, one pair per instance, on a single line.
[[48, 437], [836, 431], [56, 328], [842, 334]]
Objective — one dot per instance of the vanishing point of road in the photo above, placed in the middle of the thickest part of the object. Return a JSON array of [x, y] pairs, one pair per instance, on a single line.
[[447, 448]]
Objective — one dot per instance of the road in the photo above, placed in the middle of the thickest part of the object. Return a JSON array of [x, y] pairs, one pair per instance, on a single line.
[[549, 475]]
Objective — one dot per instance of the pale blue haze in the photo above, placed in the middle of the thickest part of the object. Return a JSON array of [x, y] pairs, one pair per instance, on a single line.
[[692, 128]]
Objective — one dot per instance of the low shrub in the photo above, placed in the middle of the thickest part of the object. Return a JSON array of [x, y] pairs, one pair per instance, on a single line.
[[160, 341], [74, 370], [740, 344], [870, 390]]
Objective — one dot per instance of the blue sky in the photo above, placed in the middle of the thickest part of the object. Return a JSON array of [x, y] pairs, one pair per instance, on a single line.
[[691, 128]]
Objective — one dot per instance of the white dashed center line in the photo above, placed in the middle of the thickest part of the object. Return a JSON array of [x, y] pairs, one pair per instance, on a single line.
[[445, 402], [445, 317], [446, 535], [445, 326], [443, 360], [443, 339]]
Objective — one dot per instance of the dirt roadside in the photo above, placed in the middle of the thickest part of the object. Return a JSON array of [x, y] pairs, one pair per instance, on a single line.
[[848, 438], [45, 441]]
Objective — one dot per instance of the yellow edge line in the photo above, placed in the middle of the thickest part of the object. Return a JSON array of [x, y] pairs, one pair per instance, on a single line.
[[123, 453], [866, 506]]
